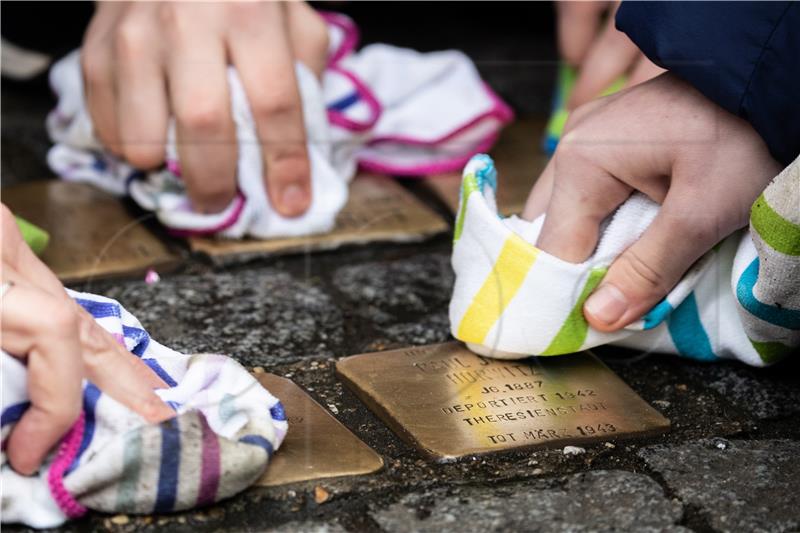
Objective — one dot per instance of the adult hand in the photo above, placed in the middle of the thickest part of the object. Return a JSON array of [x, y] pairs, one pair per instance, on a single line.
[[61, 345], [663, 138], [146, 61], [600, 51]]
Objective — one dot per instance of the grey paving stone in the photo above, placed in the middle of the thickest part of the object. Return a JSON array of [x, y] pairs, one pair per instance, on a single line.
[[593, 501], [261, 316], [765, 393], [384, 290], [308, 527], [404, 300], [736, 485]]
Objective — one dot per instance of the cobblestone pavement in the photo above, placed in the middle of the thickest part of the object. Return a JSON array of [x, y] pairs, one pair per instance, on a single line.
[[729, 463]]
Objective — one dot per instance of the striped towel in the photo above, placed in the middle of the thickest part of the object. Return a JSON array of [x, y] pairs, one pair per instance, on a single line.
[[739, 301], [385, 109], [224, 432]]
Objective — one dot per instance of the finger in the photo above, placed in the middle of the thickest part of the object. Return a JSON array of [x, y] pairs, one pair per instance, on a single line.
[[583, 195], [308, 35], [97, 65], [540, 194], [49, 342], [18, 255], [271, 87], [200, 100], [105, 360], [642, 275], [643, 71], [578, 25], [141, 90], [610, 56]]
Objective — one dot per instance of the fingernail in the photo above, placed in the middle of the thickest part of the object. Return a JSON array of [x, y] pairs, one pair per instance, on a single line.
[[294, 199], [607, 304]]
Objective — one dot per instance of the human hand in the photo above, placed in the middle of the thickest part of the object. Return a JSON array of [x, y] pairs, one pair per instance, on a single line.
[[663, 138], [146, 61], [61, 344], [600, 51]]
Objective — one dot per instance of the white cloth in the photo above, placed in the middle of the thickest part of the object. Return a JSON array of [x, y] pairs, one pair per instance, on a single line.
[[389, 109], [225, 430], [513, 300]]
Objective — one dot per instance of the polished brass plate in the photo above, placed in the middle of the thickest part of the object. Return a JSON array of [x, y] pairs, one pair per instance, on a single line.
[[317, 445], [519, 162], [378, 209], [449, 402], [92, 235]]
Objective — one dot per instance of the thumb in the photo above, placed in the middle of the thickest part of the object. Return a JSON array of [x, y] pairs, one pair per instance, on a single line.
[[642, 275]]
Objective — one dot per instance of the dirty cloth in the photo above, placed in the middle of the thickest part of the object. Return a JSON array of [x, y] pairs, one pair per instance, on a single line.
[[225, 430], [739, 301], [386, 109]]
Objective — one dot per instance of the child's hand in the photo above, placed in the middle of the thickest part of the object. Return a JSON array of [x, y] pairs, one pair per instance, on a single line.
[[702, 164], [61, 345], [600, 51], [146, 61]]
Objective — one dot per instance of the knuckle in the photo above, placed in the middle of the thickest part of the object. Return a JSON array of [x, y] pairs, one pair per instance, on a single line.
[[203, 114], [246, 12], [632, 267], [131, 39], [280, 103], [62, 318]]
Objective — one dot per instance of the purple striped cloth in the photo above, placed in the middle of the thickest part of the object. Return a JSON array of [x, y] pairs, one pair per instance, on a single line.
[[225, 430]]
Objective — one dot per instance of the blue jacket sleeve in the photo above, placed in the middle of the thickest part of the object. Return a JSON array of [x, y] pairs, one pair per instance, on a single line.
[[745, 56]]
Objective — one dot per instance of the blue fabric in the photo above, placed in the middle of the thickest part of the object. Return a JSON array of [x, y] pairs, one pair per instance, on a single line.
[[160, 372], [687, 332], [140, 338], [99, 309], [13, 413], [258, 440], [745, 56], [344, 103], [785, 318], [170, 466], [657, 314], [277, 412]]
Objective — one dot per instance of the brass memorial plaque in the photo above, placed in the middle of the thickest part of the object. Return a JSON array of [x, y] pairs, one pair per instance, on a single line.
[[449, 402], [317, 445], [92, 235], [519, 162], [378, 209]]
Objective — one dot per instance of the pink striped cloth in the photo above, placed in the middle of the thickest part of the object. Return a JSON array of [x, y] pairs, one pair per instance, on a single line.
[[225, 430]]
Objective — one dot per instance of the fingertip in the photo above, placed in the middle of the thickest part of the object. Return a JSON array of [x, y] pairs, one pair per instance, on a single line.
[[605, 308], [144, 156], [288, 178], [294, 200]]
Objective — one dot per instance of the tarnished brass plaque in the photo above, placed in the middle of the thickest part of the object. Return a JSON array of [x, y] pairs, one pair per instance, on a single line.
[[92, 235], [378, 209], [519, 162], [449, 402], [317, 445]]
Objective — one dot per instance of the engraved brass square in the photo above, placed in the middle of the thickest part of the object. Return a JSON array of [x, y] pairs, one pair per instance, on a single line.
[[317, 445], [449, 402], [92, 235], [519, 161], [378, 209]]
